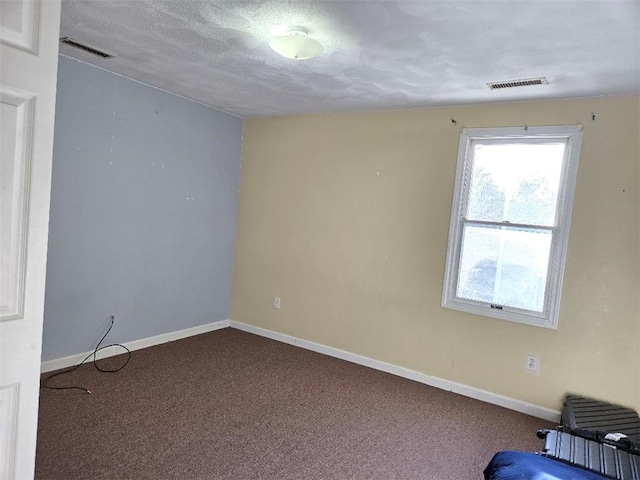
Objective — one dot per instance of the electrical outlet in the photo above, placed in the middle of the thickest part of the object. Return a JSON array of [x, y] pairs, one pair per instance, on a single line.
[[276, 302], [532, 364]]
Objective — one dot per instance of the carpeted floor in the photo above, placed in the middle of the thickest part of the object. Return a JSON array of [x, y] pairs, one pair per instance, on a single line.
[[231, 405]]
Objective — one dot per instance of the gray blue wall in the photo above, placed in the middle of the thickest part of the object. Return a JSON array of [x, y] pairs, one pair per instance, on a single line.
[[143, 212]]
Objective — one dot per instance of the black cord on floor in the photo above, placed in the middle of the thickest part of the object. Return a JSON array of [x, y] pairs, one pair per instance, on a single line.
[[95, 364]]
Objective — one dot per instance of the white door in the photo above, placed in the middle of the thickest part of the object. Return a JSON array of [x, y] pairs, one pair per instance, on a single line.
[[28, 71]]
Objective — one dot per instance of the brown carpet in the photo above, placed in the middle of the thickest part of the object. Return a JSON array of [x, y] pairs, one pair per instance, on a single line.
[[231, 405]]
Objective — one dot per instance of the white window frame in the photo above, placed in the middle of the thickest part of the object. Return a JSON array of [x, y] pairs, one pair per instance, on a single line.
[[572, 135]]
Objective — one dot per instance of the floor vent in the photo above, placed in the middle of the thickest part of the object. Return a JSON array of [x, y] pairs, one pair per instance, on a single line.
[[72, 43], [517, 83]]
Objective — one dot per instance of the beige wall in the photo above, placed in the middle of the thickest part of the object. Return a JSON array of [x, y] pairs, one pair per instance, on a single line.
[[346, 218]]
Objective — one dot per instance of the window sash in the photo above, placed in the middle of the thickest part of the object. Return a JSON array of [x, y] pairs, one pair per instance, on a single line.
[[496, 305], [470, 163], [524, 226]]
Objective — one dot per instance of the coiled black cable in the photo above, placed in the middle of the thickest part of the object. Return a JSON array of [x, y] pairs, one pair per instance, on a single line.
[[45, 384]]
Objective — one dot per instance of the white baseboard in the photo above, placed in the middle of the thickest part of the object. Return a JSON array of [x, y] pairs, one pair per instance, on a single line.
[[72, 360], [467, 391]]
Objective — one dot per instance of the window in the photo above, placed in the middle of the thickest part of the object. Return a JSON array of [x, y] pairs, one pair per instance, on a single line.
[[510, 222]]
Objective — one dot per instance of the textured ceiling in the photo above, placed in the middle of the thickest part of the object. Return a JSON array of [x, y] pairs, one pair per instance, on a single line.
[[378, 54]]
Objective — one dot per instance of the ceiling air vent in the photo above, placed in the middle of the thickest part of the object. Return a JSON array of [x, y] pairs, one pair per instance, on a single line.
[[517, 83], [72, 43]]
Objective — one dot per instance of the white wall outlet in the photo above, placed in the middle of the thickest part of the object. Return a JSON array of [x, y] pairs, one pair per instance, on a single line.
[[276, 302], [533, 364]]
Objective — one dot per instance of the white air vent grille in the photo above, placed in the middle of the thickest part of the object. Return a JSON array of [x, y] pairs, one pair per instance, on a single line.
[[72, 43], [518, 83]]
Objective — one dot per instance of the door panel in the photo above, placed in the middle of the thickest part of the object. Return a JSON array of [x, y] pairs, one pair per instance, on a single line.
[[19, 24], [29, 32], [16, 119]]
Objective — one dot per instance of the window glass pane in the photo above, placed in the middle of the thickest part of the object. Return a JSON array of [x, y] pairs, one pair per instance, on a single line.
[[516, 182], [505, 266]]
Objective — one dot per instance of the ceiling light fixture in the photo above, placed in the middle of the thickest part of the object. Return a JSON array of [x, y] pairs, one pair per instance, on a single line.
[[295, 44]]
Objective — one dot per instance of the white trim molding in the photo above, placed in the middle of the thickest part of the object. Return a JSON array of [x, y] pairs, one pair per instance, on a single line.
[[72, 360], [25, 35], [441, 383], [9, 427], [14, 198]]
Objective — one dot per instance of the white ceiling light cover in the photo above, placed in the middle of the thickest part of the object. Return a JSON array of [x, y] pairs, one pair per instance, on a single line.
[[295, 44]]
